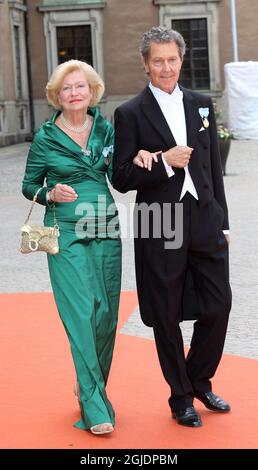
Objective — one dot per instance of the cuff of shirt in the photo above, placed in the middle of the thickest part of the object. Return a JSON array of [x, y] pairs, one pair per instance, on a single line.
[[168, 168], [48, 200], [226, 232]]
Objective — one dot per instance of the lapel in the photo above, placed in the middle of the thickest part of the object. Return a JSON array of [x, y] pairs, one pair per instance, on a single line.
[[192, 117], [156, 118], [193, 124], [60, 142]]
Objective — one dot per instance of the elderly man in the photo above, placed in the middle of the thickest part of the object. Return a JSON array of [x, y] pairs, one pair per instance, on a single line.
[[166, 149]]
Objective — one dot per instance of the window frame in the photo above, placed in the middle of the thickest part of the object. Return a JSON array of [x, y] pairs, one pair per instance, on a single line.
[[62, 18], [16, 13], [18, 60], [170, 10]]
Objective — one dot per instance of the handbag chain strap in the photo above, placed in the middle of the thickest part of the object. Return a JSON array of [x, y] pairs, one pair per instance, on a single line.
[[31, 209]]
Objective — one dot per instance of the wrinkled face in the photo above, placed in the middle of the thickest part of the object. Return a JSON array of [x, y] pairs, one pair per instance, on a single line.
[[75, 93], [163, 65]]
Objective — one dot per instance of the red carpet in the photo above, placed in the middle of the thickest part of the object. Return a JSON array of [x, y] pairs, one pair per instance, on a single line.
[[38, 408]]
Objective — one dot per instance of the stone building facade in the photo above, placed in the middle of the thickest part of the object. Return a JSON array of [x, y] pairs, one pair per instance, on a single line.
[[39, 34]]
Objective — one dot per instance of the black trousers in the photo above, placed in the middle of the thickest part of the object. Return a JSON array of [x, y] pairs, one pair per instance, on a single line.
[[205, 253]]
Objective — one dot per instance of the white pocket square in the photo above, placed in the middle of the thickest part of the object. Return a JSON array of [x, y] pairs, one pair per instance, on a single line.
[[202, 129]]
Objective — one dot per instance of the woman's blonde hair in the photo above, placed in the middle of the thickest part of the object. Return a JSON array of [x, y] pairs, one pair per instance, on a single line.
[[54, 84]]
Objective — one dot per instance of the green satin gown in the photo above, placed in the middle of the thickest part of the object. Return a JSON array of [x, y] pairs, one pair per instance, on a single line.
[[86, 274]]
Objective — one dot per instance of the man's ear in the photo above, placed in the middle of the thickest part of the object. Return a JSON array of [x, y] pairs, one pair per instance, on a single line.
[[145, 66]]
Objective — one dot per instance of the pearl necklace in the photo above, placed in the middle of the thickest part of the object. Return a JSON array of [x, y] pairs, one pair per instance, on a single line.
[[72, 128]]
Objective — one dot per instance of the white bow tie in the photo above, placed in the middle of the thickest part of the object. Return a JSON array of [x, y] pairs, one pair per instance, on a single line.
[[173, 98]]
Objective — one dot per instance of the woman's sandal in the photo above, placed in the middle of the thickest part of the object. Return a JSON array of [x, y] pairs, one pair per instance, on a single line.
[[104, 428], [76, 390]]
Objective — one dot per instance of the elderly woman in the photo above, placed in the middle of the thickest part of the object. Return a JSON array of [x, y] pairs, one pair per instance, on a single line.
[[72, 152]]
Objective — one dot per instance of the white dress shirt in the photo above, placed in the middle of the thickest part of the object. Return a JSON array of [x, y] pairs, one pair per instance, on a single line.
[[172, 108]]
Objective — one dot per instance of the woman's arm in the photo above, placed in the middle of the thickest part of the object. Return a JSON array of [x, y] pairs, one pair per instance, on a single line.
[[35, 172]]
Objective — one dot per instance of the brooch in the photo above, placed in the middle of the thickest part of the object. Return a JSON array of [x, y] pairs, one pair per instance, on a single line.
[[105, 152], [86, 152]]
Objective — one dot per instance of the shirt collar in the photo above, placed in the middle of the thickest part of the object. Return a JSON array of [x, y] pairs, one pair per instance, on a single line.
[[176, 96]]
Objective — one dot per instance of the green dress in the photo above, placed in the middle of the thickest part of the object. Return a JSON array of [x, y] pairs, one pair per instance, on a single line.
[[86, 274]]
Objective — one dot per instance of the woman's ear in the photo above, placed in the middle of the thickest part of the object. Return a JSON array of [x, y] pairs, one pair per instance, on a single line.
[[58, 99], [91, 96]]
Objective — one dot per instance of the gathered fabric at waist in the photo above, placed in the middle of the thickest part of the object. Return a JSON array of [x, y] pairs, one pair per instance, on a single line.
[[93, 212], [80, 176]]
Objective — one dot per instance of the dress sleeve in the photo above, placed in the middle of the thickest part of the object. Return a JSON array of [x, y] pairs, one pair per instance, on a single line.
[[35, 172]]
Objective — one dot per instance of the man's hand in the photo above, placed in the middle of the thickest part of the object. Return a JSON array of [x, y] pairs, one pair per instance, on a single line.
[[144, 159], [178, 156]]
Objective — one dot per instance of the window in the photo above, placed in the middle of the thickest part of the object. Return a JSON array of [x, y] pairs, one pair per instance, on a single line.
[[197, 20], [22, 118], [74, 42], [195, 70], [74, 32], [18, 61]]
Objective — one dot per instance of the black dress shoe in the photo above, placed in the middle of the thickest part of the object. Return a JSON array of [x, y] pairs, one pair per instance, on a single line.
[[213, 402], [187, 417]]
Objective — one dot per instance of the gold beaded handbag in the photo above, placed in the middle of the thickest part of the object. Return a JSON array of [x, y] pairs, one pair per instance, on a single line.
[[38, 238]]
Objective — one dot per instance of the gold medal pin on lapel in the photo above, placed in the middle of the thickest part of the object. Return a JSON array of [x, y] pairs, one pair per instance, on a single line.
[[205, 123]]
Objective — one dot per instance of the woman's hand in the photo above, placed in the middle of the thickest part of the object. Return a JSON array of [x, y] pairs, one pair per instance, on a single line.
[[62, 193], [144, 159]]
